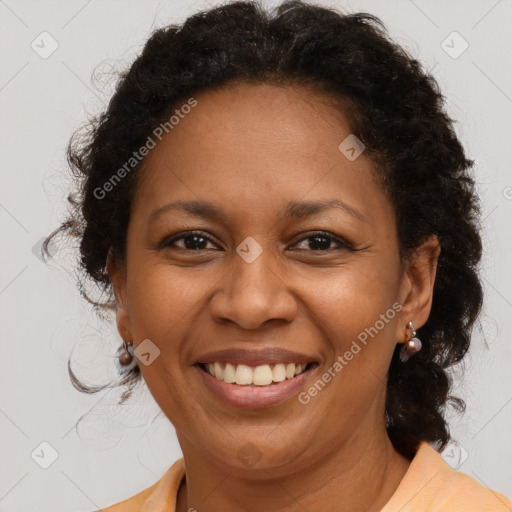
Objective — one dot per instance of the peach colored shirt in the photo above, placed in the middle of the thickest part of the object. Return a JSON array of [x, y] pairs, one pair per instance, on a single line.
[[429, 485]]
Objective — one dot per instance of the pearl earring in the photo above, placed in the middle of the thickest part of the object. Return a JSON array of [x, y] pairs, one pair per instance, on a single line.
[[126, 355], [412, 346]]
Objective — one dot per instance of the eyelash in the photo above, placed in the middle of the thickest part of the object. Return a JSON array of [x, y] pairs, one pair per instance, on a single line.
[[169, 241]]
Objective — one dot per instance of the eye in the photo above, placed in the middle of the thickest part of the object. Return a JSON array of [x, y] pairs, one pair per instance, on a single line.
[[193, 240], [321, 241], [198, 240]]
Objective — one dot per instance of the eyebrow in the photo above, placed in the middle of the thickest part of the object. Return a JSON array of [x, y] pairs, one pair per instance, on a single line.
[[293, 209]]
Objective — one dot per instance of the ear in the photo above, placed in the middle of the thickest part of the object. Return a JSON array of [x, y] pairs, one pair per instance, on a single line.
[[117, 273], [417, 287]]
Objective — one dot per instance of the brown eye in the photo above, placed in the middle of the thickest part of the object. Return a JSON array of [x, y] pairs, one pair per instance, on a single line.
[[321, 241], [193, 240]]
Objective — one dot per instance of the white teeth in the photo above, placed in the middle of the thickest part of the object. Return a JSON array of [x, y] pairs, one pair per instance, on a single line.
[[229, 374], [279, 373], [218, 370], [243, 374], [290, 371], [262, 375]]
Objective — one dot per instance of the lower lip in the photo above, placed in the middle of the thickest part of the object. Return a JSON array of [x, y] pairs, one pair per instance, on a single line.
[[255, 397]]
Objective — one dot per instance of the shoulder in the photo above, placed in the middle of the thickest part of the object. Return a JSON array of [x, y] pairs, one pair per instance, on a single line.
[[160, 497], [460, 490], [133, 504], [430, 484]]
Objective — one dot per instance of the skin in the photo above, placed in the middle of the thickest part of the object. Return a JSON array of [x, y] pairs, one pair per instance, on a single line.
[[250, 149]]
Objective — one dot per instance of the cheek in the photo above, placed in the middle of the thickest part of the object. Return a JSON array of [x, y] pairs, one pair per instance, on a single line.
[[356, 313], [161, 298], [351, 299]]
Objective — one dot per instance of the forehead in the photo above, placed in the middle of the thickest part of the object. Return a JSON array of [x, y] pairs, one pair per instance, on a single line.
[[254, 146], [259, 117]]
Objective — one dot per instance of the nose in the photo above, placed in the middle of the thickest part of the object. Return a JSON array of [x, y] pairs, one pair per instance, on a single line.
[[251, 294]]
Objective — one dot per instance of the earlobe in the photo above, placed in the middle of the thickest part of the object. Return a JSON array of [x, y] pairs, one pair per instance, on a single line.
[[117, 274], [418, 284]]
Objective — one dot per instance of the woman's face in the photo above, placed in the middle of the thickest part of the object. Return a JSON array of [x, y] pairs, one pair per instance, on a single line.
[[263, 280]]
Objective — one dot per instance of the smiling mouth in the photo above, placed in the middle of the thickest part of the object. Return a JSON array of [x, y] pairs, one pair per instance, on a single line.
[[255, 376]]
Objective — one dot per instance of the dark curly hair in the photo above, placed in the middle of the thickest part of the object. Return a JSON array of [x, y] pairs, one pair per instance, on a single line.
[[394, 106]]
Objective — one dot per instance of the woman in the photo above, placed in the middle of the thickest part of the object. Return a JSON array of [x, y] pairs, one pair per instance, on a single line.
[[285, 222]]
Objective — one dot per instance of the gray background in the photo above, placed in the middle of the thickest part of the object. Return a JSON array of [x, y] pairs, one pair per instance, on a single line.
[[117, 451]]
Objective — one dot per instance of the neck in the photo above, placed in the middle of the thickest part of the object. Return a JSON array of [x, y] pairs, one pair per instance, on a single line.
[[360, 476]]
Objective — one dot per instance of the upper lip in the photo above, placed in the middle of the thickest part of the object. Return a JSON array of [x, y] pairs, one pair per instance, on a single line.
[[255, 357]]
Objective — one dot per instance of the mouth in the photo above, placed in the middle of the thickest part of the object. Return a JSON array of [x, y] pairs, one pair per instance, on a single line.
[[261, 375], [253, 387]]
